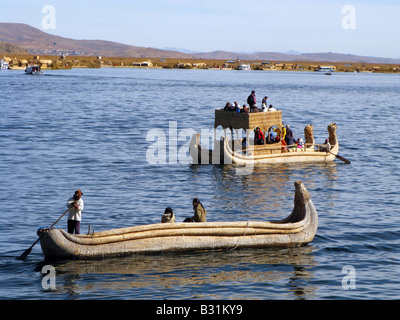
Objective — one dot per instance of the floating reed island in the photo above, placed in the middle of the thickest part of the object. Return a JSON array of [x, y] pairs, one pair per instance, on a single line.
[[21, 61]]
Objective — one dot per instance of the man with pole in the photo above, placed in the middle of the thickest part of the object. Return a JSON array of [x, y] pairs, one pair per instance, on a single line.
[[75, 214]]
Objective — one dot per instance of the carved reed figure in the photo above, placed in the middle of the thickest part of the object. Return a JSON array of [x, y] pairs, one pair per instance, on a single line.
[[332, 133], [309, 135]]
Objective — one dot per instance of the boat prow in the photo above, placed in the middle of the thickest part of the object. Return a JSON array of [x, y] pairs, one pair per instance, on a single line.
[[298, 229]]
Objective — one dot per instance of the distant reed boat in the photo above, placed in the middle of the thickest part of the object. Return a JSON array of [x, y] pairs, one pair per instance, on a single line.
[[298, 229], [33, 70], [273, 149]]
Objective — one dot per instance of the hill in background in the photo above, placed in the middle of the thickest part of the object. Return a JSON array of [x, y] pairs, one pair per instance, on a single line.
[[276, 56], [11, 49], [41, 43]]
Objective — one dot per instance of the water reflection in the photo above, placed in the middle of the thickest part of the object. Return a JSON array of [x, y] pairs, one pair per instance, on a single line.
[[184, 276], [269, 190]]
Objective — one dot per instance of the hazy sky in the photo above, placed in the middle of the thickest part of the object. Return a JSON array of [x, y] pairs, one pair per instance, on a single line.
[[368, 27]]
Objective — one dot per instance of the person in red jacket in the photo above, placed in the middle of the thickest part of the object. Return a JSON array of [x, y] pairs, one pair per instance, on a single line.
[[259, 136]]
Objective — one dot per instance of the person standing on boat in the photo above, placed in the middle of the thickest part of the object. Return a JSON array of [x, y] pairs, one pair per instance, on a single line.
[[251, 101], [289, 138], [75, 214], [264, 105], [199, 212]]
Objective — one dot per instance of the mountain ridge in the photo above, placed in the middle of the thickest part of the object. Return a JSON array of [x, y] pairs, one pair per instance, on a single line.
[[33, 40], [39, 42]]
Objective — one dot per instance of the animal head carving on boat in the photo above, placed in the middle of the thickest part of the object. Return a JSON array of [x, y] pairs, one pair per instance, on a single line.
[[302, 195], [332, 133], [309, 134]]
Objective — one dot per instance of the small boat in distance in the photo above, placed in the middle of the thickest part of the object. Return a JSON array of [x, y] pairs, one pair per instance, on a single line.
[[33, 70], [298, 229], [4, 65], [244, 67], [326, 69]]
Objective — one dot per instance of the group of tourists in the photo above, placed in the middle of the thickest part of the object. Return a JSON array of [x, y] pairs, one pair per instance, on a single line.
[[284, 134], [75, 205], [251, 105]]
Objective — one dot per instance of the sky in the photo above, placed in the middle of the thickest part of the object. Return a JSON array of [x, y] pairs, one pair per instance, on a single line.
[[362, 27]]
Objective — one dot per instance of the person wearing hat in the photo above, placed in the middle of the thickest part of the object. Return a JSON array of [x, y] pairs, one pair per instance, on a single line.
[[168, 216], [75, 214]]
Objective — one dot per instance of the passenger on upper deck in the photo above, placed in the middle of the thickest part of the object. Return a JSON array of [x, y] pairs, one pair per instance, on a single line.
[[227, 106], [251, 101], [264, 105], [271, 108], [236, 106]]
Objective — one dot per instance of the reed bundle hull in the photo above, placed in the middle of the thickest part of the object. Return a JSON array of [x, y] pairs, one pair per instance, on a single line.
[[223, 154]]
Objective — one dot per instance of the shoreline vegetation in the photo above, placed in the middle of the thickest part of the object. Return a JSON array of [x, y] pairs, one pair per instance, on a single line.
[[68, 62]]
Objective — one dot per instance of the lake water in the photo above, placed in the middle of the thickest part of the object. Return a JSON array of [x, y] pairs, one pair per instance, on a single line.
[[92, 129]]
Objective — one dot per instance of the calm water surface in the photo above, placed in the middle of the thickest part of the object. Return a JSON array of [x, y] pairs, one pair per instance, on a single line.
[[92, 129]]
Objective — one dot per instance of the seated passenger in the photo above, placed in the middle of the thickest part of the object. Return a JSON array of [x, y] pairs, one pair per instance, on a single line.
[[258, 137], [254, 108], [236, 107], [326, 146], [168, 216], [271, 108], [199, 212], [245, 109], [300, 143], [227, 106]]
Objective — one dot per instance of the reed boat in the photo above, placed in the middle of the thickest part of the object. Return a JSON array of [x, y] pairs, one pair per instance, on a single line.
[[33, 70], [272, 150], [298, 229]]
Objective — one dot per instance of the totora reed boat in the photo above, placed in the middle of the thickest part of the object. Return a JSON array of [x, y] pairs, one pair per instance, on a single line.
[[273, 149], [297, 229]]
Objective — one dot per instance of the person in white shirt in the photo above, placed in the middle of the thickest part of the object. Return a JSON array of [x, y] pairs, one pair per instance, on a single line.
[[264, 105], [75, 214]]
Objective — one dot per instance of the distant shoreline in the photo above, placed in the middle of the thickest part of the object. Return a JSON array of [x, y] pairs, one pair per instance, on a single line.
[[68, 62]]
